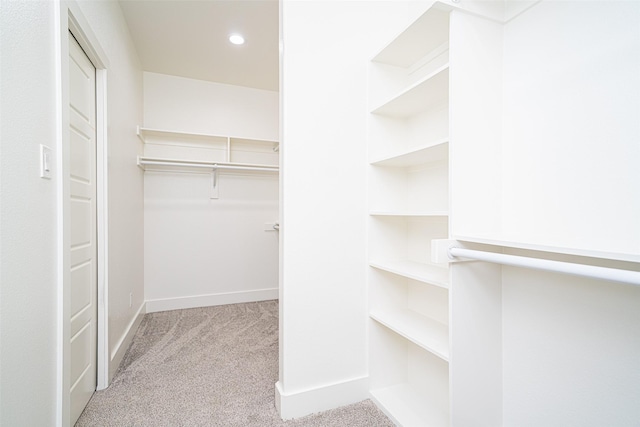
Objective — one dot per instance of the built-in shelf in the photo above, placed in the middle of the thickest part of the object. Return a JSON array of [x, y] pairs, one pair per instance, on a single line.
[[408, 407], [408, 183], [417, 40], [505, 242], [427, 273], [426, 333], [145, 133], [428, 153], [411, 214], [428, 92], [168, 149], [150, 163]]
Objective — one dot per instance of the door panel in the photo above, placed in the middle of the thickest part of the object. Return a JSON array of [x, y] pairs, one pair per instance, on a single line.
[[82, 211], [81, 299]]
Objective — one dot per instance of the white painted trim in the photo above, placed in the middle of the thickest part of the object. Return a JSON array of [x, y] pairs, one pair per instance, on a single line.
[[69, 17], [83, 33], [305, 402], [62, 218], [179, 303], [125, 341], [281, 196], [102, 187]]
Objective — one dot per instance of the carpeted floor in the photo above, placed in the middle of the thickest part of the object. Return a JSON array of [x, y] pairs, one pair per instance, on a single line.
[[213, 366]]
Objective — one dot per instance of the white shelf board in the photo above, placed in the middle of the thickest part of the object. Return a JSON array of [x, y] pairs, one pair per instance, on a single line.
[[507, 242], [192, 164], [412, 214], [251, 140], [426, 93], [428, 153], [427, 273], [407, 407], [416, 41], [145, 132], [426, 333]]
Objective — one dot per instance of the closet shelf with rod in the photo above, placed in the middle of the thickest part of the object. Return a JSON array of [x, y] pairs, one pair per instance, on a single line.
[[214, 168], [188, 152], [571, 268], [155, 163], [189, 147]]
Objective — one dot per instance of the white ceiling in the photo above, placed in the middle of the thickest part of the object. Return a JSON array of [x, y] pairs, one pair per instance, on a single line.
[[191, 39]]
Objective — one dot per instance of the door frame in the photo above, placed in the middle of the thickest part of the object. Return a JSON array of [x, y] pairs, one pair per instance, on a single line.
[[70, 19]]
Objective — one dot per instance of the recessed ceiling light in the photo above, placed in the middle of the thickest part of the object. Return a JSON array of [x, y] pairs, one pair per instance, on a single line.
[[236, 39]]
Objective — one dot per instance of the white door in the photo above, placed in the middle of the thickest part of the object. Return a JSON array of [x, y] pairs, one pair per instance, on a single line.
[[83, 253]]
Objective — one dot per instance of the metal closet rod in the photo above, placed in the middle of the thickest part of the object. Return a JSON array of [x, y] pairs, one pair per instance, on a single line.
[[207, 166], [605, 273]]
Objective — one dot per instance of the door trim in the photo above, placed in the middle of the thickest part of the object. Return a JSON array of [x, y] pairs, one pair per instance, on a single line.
[[70, 18]]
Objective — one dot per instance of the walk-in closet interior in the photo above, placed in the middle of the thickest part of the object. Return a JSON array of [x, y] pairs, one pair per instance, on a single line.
[[209, 151], [442, 195], [210, 161]]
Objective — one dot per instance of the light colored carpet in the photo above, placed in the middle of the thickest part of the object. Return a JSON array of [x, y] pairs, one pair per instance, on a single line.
[[213, 366]]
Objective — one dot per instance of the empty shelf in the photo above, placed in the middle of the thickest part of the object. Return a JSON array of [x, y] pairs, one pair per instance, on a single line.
[[407, 407], [427, 273], [428, 153], [424, 332]]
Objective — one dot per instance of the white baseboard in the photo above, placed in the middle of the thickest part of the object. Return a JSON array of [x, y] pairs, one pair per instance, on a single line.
[[117, 354], [330, 396], [195, 301]]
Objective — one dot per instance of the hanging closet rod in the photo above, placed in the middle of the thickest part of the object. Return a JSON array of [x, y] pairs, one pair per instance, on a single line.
[[605, 273], [144, 162]]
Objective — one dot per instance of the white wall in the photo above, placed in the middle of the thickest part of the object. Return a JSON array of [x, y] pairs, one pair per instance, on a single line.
[[545, 119], [126, 273], [323, 297], [570, 350], [549, 126], [189, 105], [201, 251], [27, 215], [28, 258], [571, 150], [571, 125]]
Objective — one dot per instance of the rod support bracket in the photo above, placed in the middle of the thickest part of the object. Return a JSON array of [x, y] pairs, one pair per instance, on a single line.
[[440, 251], [215, 185]]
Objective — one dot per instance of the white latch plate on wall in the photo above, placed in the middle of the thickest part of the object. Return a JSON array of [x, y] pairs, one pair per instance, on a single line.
[[46, 161]]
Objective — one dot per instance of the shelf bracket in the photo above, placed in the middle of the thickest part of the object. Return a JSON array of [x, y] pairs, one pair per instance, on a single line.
[[139, 133], [215, 188]]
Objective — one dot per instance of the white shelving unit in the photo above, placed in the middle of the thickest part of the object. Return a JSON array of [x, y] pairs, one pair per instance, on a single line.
[[416, 378], [172, 149], [408, 208], [493, 340]]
